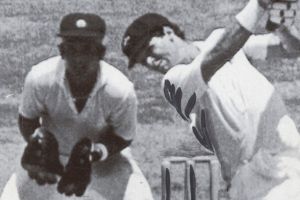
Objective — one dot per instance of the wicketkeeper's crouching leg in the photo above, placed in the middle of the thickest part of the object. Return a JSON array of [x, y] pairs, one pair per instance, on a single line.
[[118, 178]]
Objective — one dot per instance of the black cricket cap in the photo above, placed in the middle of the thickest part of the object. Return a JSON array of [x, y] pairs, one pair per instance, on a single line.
[[82, 25], [139, 32]]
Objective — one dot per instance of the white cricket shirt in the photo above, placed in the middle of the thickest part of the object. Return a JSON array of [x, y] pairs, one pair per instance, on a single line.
[[247, 123], [112, 101]]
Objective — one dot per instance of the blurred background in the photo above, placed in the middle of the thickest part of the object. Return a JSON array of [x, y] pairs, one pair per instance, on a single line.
[[28, 35]]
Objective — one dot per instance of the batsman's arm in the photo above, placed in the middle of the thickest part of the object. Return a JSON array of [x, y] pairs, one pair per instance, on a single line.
[[223, 44], [289, 40], [289, 45], [283, 43]]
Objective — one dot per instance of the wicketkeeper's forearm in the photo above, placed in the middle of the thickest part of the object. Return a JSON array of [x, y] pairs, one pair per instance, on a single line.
[[27, 126], [110, 143]]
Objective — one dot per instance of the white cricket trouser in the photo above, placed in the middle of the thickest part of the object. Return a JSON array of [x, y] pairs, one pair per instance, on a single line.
[[268, 177], [118, 178]]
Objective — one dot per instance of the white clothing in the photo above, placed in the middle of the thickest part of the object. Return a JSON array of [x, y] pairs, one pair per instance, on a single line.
[[255, 140]]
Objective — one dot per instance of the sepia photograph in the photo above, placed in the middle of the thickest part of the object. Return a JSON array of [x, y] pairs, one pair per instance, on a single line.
[[149, 100]]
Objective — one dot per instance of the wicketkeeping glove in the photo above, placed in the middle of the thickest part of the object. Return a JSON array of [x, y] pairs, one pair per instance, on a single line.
[[41, 157], [77, 173]]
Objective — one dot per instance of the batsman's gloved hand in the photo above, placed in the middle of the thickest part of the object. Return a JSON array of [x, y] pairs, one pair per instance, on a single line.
[[281, 12], [77, 173], [41, 157]]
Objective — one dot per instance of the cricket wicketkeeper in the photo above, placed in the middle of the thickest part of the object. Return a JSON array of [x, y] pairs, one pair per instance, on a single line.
[[78, 117]]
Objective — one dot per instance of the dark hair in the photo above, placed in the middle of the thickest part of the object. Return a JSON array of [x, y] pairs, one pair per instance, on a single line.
[[178, 31], [139, 33]]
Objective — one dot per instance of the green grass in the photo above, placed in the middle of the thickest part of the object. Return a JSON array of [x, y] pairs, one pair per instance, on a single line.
[[27, 36]]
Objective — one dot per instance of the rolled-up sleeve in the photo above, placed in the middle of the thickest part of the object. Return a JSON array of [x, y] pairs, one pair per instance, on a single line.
[[258, 47], [31, 105]]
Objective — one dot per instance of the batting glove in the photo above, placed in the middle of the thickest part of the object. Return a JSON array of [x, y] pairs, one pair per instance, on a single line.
[[41, 157], [281, 12], [77, 173]]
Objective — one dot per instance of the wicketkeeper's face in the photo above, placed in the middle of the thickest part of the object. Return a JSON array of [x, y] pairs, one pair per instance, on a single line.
[[81, 54]]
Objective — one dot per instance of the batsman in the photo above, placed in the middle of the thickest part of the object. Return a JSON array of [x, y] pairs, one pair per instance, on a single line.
[[233, 109], [78, 117]]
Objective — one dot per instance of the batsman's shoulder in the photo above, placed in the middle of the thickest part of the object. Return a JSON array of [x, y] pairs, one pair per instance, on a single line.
[[182, 74], [183, 81], [116, 84], [175, 73], [43, 72]]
